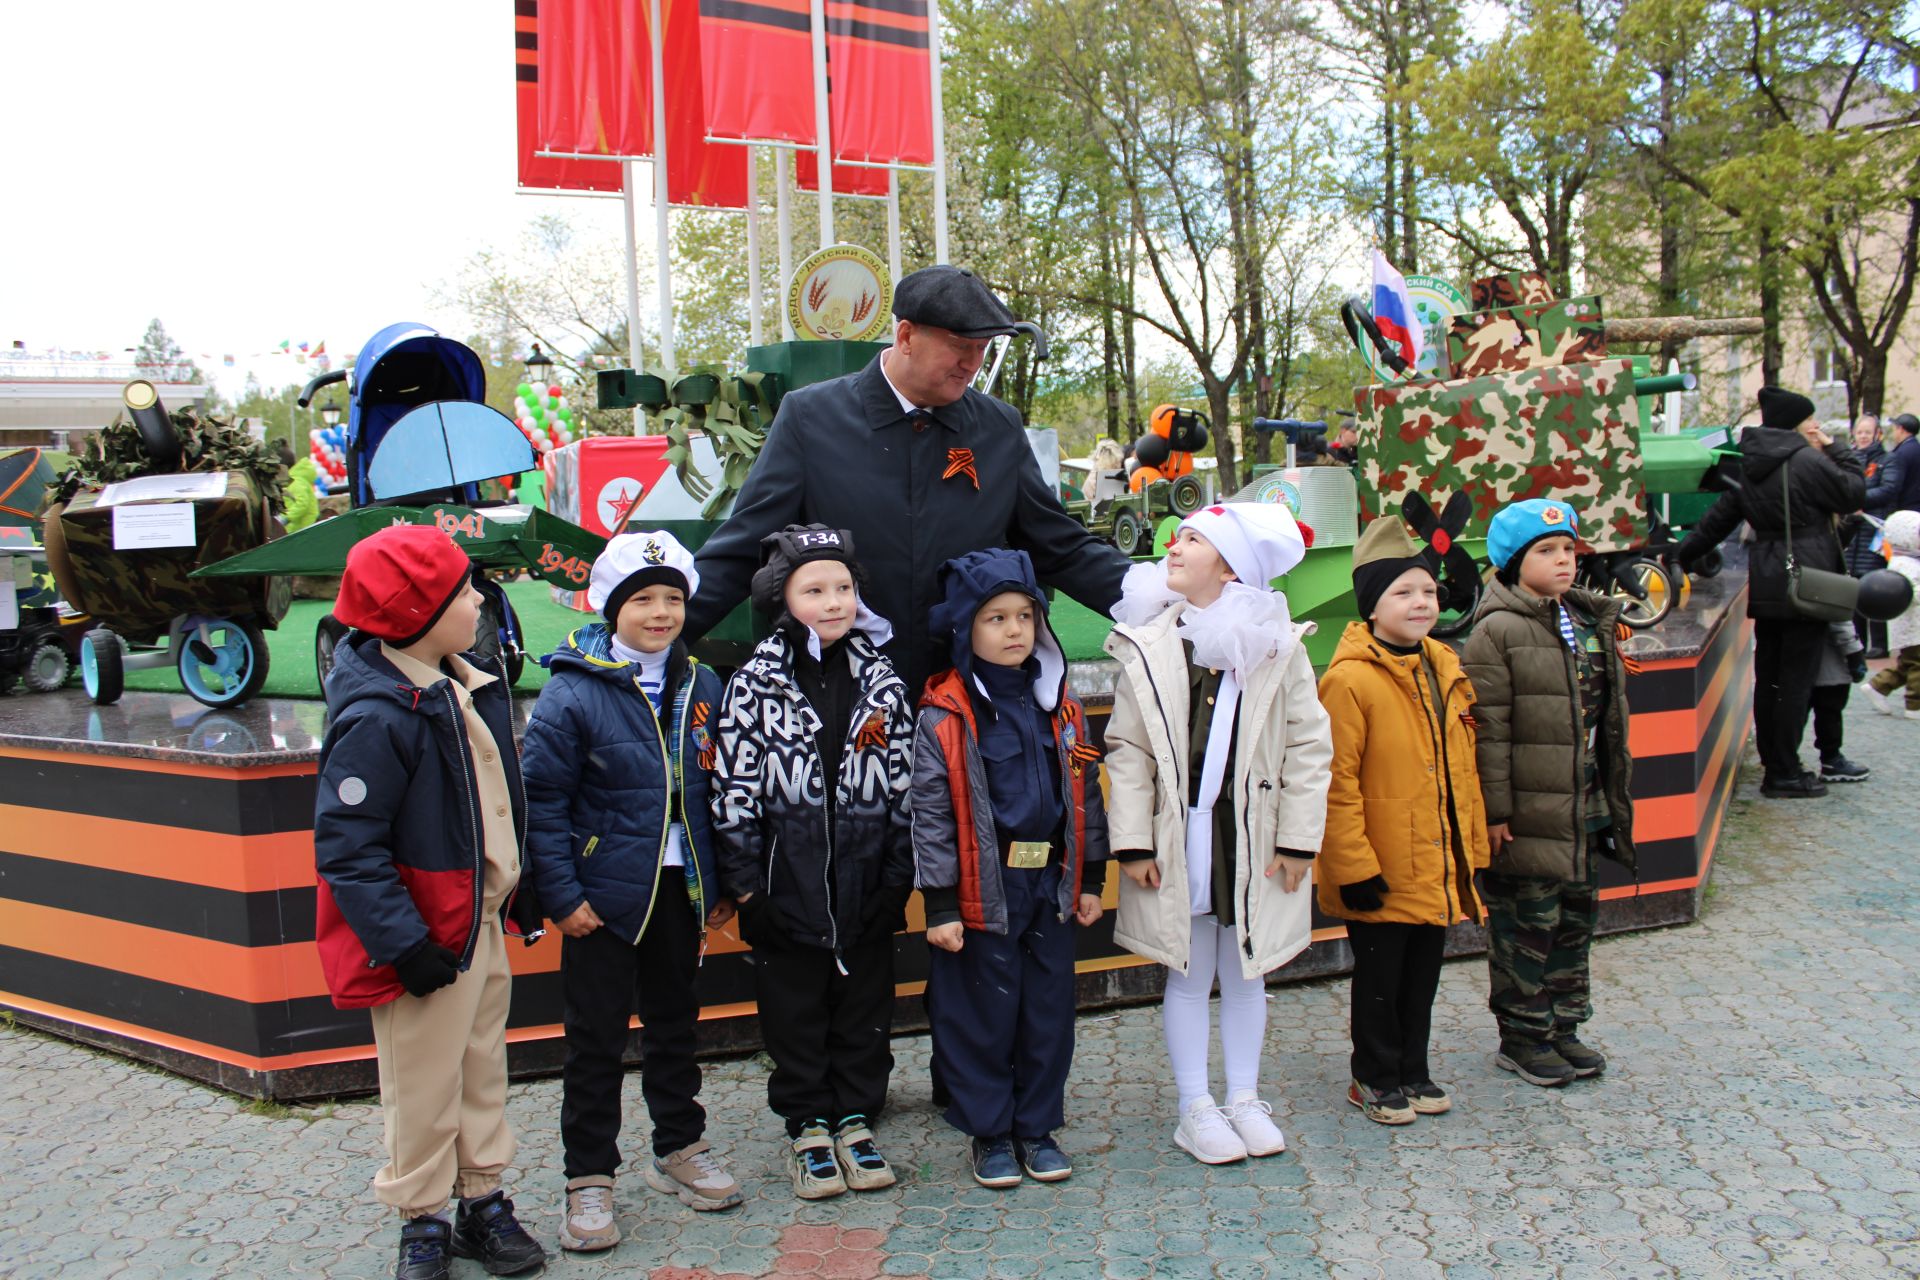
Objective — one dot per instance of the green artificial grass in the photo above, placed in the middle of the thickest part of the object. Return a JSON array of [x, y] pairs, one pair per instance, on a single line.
[[291, 674]]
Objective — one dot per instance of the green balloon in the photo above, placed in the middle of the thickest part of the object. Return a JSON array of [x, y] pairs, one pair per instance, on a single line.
[[539, 414], [566, 412], [524, 390], [553, 402]]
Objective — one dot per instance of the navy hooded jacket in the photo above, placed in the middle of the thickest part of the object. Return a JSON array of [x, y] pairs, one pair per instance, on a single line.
[[396, 827], [600, 769]]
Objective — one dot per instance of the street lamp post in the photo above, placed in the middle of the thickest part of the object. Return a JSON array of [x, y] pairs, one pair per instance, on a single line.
[[539, 367]]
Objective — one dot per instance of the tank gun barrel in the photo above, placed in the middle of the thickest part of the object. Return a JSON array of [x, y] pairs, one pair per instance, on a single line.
[[1677, 328]]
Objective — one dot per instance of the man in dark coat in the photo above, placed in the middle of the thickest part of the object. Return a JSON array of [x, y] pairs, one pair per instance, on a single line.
[[1862, 559], [1896, 482], [918, 466], [1827, 482]]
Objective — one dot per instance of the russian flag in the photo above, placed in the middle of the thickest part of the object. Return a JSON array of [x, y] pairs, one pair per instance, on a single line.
[[1393, 310]]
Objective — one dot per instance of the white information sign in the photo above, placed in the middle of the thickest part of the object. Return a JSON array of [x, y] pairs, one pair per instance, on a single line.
[[153, 525]]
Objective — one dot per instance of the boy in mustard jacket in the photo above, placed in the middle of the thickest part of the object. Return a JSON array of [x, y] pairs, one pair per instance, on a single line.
[[1406, 828]]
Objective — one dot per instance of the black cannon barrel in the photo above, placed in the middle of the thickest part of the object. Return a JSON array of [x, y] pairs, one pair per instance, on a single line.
[[157, 436]]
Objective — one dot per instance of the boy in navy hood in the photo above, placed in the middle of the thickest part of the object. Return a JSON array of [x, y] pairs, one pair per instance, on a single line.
[[1010, 847]]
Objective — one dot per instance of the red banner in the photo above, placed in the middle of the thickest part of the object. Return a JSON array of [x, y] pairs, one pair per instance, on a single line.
[[537, 172], [882, 96], [756, 64], [848, 179], [698, 172]]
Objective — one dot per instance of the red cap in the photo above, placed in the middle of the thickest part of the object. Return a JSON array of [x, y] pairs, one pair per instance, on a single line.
[[399, 581]]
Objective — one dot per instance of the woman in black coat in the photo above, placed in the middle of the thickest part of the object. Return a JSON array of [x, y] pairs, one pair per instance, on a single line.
[[1826, 483], [1862, 559]]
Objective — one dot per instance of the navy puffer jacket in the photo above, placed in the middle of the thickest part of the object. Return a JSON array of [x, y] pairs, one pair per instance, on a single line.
[[600, 767]]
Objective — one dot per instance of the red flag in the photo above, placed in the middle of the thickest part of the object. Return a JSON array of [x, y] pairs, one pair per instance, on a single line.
[[882, 97], [699, 172], [756, 63], [848, 179], [594, 63], [537, 172]]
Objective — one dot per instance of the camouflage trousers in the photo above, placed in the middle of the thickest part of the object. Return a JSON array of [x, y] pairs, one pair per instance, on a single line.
[[1539, 936]]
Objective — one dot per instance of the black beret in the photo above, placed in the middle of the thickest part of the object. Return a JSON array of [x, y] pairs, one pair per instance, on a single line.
[[1783, 409], [952, 298]]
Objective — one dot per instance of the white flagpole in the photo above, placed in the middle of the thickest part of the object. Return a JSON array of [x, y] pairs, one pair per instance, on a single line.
[[662, 242], [893, 224], [783, 214], [939, 135], [753, 246], [633, 281], [822, 121]]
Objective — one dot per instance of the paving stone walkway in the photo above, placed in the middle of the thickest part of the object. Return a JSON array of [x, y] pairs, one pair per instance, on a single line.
[[1761, 1118]]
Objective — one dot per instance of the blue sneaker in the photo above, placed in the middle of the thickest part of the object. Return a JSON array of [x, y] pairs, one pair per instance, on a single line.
[[994, 1164], [1043, 1159]]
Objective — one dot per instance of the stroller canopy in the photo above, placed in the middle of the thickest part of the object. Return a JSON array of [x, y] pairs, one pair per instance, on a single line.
[[401, 367]]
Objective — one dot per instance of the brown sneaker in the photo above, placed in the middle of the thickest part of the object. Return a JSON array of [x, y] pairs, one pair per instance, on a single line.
[[696, 1176], [1381, 1108], [588, 1225], [860, 1161]]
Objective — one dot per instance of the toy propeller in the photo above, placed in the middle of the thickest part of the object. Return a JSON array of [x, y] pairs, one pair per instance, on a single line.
[[1443, 551]]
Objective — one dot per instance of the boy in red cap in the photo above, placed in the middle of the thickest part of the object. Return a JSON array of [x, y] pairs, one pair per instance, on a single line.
[[417, 831]]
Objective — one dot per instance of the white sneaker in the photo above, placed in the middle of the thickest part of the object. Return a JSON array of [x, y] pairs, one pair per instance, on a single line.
[[1880, 701], [1252, 1120], [1207, 1135]]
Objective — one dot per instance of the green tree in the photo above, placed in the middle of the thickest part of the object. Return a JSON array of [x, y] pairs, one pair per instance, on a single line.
[[160, 359]]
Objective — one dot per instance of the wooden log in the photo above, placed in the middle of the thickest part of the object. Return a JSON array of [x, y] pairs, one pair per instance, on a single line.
[[1677, 328]]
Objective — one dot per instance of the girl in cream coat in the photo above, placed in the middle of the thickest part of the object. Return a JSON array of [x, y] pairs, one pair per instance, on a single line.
[[1217, 766]]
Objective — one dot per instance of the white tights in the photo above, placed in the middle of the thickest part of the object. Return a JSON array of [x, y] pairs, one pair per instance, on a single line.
[[1243, 1014]]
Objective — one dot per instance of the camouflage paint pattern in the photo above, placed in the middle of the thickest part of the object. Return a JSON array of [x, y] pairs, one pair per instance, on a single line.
[[1539, 940], [1563, 431], [138, 593], [1566, 332], [1512, 289]]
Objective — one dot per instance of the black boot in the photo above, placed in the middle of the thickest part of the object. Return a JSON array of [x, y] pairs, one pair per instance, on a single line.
[[1801, 786], [1535, 1062], [489, 1232], [423, 1249], [1584, 1059]]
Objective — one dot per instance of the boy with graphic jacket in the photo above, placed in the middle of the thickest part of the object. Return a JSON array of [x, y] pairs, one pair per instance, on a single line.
[[815, 741], [1010, 847]]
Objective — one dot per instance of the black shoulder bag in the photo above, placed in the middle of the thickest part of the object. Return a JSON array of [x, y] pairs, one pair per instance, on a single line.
[[1813, 593]]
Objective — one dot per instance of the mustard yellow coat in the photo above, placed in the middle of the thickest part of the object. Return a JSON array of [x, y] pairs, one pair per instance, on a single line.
[[1386, 812]]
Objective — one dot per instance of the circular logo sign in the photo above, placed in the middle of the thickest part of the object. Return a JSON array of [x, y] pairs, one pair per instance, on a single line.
[[616, 496], [1435, 303], [1276, 488], [843, 291]]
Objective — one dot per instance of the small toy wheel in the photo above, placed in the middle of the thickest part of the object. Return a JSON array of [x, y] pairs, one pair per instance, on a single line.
[[102, 673], [328, 637], [1187, 497], [1657, 588], [1128, 532], [222, 663], [1458, 600], [48, 668]]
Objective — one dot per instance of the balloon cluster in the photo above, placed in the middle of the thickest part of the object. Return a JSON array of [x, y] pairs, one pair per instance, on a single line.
[[328, 445], [544, 415]]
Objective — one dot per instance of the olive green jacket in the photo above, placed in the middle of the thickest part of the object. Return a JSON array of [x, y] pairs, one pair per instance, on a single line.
[[1533, 756]]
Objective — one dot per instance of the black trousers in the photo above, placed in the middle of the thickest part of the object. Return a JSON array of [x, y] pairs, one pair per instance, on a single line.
[[1786, 656], [1002, 1015], [1396, 972], [826, 1031], [1829, 702], [604, 979]]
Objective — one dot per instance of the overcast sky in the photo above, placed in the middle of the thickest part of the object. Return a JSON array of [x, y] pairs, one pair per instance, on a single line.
[[252, 171]]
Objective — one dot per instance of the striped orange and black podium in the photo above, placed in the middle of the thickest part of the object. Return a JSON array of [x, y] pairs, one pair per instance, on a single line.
[[157, 887]]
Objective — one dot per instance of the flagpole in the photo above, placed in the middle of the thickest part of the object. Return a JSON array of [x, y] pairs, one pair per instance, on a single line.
[[939, 134], [893, 224], [783, 215], [633, 279], [822, 121], [662, 245], [753, 246]]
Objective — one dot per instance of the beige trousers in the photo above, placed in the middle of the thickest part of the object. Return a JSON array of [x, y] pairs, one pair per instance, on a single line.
[[443, 1084]]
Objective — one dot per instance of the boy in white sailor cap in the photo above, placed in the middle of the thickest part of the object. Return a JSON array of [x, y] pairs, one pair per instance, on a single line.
[[618, 762], [1218, 759]]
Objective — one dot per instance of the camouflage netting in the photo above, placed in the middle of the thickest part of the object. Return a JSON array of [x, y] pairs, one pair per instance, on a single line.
[[206, 444]]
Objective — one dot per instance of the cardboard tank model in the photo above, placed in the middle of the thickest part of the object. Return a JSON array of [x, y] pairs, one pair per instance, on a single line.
[[1531, 403], [420, 443], [39, 639], [1128, 510], [149, 500]]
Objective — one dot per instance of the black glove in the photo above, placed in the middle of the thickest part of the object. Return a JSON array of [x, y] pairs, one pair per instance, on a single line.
[[427, 968], [885, 912], [1857, 666], [1364, 896]]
